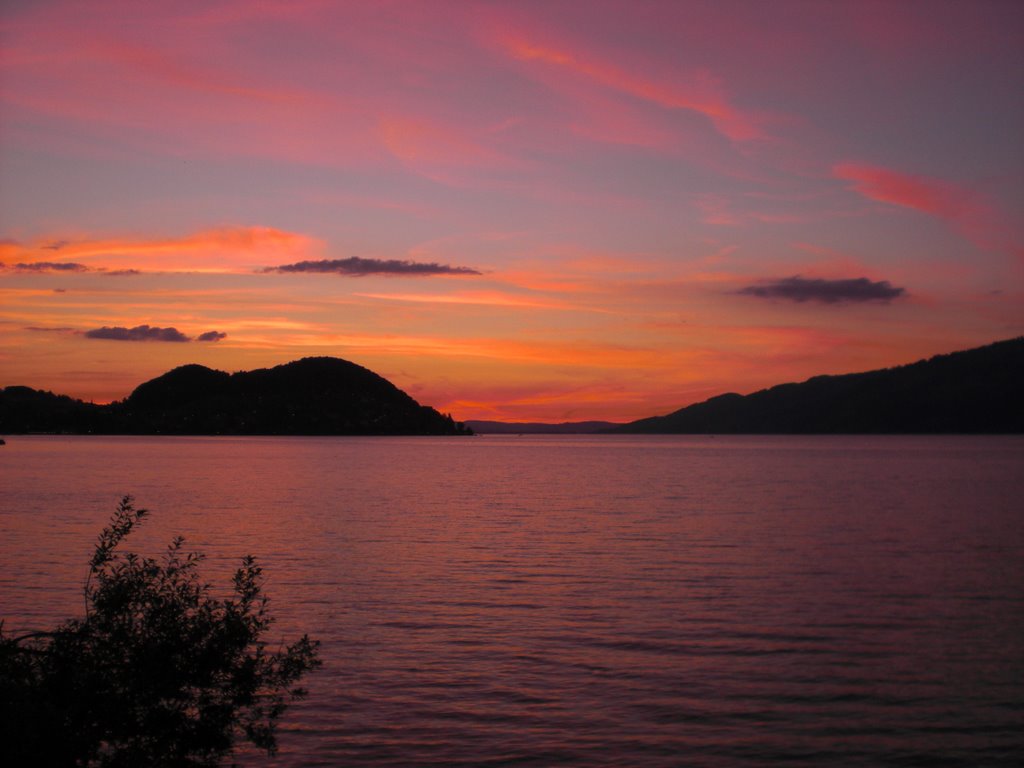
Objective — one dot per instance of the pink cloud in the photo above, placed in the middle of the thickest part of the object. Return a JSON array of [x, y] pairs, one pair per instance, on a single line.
[[442, 152], [969, 212], [922, 193], [716, 210], [156, 100], [607, 119], [700, 92]]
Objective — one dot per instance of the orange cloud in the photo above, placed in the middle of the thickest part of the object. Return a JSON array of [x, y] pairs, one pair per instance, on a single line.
[[229, 249], [547, 282], [482, 298], [546, 402], [633, 383]]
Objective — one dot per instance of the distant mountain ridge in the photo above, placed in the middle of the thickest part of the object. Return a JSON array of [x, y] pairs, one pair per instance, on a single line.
[[977, 391], [312, 396], [481, 427], [973, 391]]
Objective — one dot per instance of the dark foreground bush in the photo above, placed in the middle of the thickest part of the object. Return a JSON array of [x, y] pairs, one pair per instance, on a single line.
[[158, 673]]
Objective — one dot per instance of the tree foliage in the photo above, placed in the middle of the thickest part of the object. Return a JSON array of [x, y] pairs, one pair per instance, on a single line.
[[159, 672]]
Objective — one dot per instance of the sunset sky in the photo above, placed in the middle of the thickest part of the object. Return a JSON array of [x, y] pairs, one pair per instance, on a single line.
[[512, 210]]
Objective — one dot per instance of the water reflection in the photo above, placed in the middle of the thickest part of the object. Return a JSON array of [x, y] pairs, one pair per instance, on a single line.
[[588, 600]]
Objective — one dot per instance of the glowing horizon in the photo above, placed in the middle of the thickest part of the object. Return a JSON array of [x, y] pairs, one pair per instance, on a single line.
[[517, 211]]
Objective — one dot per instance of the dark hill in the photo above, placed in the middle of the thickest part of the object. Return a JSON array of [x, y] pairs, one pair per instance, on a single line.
[[23, 410], [178, 387], [975, 391], [312, 396]]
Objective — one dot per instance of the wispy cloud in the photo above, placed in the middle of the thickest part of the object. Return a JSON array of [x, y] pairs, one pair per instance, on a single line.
[[801, 289], [359, 267], [922, 193], [138, 333], [966, 210], [226, 249], [443, 152], [478, 298], [701, 92]]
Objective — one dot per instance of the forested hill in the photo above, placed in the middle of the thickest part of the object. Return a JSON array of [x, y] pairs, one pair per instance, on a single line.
[[312, 396], [976, 391]]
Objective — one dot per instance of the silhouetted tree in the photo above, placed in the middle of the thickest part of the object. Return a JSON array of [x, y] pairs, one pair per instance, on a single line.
[[158, 673]]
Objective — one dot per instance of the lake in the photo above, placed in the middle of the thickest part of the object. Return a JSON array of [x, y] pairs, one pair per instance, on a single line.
[[584, 601]]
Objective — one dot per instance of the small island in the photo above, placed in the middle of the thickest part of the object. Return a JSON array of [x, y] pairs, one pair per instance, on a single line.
[[311, 396]]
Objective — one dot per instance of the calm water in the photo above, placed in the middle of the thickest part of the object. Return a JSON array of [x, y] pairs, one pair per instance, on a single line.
[[626, 601]]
